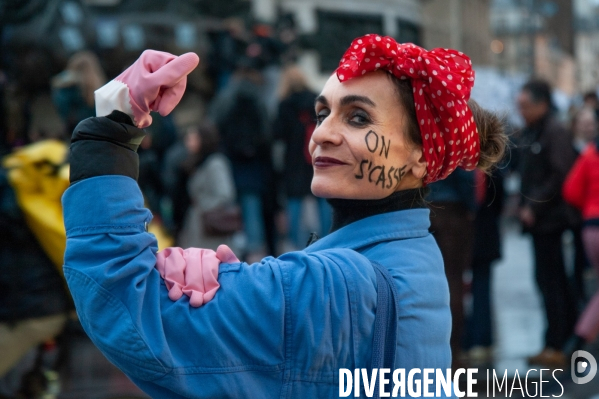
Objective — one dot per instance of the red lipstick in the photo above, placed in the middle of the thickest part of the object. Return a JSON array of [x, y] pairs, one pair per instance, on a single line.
[[327, 162]]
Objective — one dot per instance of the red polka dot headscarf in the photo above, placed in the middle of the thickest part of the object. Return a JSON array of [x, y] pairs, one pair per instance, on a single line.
[[441, 80]]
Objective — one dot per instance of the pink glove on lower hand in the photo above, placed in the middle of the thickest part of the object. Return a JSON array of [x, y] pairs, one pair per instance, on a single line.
[[155, 82], [193, 272]]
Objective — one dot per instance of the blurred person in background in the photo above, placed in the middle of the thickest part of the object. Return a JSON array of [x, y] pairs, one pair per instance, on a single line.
[[268, 50], [73, 89], [33, 298], [4, 145], [164, 134], [591, 101], [581, 189], [210, 185], [174, 177], [453, 206], [546, 155], [149, 175], [490, 195], [294, 125], [229, 41], [152, 152], [584, 129], [241, 118]]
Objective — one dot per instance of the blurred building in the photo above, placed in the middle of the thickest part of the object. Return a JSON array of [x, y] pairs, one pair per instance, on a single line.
[[586, 43], [327, 27], [459, 24], [536, 37]]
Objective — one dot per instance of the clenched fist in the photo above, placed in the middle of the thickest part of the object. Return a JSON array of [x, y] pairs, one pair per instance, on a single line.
[[155, 82]]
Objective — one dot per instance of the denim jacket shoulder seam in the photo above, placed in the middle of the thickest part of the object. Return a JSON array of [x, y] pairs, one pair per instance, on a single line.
[[227, 370], [135, 227], [229, 268]]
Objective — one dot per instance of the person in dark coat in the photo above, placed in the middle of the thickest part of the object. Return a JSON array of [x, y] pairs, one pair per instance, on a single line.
[[546, 156], [241, 118], [33, 298], [294, 126], [490, 195], [453, 206]]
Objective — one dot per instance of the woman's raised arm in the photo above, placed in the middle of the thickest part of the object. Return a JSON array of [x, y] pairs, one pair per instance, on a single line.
[[269, 323]]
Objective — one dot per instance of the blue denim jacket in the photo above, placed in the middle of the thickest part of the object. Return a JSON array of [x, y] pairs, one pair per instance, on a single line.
[[281, 328]]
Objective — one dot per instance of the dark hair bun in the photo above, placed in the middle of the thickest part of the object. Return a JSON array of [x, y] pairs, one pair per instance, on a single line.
[[491, 132]]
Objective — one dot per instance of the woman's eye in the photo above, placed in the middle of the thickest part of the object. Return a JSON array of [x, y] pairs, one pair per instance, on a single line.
[[320, 116], [359, 119]]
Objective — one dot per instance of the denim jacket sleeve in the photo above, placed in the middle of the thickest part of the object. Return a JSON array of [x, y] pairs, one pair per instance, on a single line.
[[270, 323]]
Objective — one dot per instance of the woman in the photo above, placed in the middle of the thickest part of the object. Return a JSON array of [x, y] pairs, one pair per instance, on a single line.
[[294, 125], [581, 189], [210, 186], [282, 327]]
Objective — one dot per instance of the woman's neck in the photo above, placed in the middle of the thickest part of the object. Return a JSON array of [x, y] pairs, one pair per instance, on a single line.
[[346, 211]]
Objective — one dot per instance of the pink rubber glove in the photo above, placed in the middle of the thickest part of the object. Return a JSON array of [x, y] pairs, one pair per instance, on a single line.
[[155, 82], [193, 272]]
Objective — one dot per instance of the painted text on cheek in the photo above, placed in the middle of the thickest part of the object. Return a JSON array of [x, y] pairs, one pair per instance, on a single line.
[[372, 143], [384, 175]]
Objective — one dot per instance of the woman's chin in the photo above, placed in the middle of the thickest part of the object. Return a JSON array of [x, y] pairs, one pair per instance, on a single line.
[[323, 188]]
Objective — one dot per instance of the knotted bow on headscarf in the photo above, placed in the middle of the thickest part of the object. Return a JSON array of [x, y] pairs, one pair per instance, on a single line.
[[441, 80]]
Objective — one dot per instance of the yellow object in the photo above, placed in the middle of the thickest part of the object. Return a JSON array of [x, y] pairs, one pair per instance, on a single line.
[[39, 175]]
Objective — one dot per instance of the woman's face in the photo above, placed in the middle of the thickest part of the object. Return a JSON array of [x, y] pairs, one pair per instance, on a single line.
[[359, 148]]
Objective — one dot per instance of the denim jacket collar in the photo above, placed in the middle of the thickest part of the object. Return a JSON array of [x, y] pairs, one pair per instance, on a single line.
[[399, 225]]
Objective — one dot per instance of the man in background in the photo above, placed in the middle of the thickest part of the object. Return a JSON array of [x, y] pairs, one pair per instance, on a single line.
[[546, 155]]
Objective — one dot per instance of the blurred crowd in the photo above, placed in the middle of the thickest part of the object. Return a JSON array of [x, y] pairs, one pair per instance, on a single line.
[[554, 160], [233, 168], [238, 171]]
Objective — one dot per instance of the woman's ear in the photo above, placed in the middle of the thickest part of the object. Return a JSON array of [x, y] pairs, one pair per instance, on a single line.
[[419, 163]]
